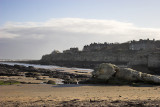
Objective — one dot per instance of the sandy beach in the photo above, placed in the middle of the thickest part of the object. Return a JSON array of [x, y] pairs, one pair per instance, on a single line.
[[34, 92], [56, 95]]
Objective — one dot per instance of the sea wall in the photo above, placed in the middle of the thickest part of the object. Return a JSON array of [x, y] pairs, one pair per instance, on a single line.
[[154, 60], [90, 56], [87, 59], [139, 60]]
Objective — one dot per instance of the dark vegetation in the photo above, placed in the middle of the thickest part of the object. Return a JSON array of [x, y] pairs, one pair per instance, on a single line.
[[9, 82]]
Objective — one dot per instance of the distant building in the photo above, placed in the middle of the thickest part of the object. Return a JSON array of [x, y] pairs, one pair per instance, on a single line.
[[142, 45], [71, 50], [94, 46]]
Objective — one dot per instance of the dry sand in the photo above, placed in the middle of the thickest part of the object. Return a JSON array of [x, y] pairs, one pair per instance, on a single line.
[[78, 95]]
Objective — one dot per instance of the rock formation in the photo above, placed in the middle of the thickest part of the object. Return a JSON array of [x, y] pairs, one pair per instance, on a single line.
[[30, 71], [107, 71]]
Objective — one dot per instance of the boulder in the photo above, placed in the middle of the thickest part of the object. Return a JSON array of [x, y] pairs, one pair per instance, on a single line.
[[150, 78], [133, 75], [128, 74], [110, 72], [51, 82], [104, 71]]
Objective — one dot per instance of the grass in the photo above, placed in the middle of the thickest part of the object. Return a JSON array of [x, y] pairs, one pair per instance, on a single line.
[[9, 82]]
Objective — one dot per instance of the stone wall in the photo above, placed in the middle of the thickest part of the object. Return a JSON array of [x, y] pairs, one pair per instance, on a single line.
[[154, 60], [91, 56], [139, 60]]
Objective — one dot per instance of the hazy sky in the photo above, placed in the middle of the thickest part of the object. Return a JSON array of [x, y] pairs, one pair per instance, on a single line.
[[32, 28]]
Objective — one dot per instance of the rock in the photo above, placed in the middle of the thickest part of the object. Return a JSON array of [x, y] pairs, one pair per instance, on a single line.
[[39, 78], [113, 74], [71, 81], [105, 71], [19, 66], [51, 82], [133, 75], [150, 78], [128, 74]]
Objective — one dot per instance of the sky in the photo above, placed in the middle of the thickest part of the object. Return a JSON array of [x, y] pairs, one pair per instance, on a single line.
[[32, 28]]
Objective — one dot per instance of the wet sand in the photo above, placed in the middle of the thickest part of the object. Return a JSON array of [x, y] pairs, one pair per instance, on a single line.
[[76, 95]]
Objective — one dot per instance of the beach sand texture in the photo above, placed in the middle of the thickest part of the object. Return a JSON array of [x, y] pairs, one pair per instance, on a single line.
[[44, 94]]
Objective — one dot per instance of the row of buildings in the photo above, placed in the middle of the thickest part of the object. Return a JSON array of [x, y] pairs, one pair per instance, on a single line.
[[131, 45]]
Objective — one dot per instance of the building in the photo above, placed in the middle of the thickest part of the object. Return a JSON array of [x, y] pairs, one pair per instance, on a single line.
[[94, 46], [142, 45], [71, 50]]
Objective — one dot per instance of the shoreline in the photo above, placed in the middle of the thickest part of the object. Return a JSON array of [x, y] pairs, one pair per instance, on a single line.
[[43, 73], [50, 67]]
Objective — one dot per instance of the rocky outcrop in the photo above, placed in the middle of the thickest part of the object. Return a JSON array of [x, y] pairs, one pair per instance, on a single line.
[[7, 70], [128, 74], [30, 71], [150, 78], [107, 71]]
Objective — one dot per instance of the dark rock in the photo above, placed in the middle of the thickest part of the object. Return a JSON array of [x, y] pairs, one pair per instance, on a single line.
[[51, 82]]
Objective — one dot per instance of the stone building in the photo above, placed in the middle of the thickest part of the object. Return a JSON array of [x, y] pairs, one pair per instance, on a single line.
[[95, 46], [142, 45], [71, 50]]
